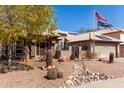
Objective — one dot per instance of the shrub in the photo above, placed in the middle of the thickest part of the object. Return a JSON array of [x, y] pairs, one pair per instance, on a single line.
[[90, 55], [72, 57]]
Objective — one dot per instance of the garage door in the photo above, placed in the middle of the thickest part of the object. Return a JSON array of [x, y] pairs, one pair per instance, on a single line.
[[122, 51]]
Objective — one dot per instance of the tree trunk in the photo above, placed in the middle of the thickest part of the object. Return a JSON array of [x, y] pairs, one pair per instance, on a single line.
[[26, 54], [10, 54], [0, 51], [29, 48]]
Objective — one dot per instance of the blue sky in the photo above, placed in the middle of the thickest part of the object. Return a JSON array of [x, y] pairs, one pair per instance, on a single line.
[[72, 18]]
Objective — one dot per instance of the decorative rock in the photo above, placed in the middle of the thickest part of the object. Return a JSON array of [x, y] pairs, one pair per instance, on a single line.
[[69, 83], [81, 75], [61, 59]]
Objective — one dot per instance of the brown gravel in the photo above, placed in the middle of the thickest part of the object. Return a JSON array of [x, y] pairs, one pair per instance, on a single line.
[[34, 78], [116, 69]]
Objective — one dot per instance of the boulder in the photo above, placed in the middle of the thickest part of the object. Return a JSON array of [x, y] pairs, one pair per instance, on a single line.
[[69, 83], [103, 60], [61, 59]]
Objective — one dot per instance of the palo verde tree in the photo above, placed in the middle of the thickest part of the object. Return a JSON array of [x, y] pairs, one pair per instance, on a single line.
[[27, 23], [38, 23], [9, 28]]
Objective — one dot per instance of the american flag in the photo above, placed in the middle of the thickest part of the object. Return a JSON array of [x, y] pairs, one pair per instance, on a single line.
[[99, 17]]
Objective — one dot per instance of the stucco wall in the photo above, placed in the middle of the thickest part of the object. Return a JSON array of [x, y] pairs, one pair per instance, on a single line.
[[115, 35], [104, 49], [66, 53], [122, 37]]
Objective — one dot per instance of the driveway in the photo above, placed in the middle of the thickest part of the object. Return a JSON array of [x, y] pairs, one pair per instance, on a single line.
[[113, 83], [119, 60]]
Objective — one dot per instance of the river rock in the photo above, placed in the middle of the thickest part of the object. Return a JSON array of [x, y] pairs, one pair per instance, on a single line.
[[82, 75]]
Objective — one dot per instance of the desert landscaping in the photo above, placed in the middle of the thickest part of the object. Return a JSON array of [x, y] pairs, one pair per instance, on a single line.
[[75, 73], [36, 52]]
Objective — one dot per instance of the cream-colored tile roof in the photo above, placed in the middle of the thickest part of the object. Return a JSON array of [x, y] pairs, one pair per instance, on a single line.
[[93, 35], [108, 30], [90, 35]]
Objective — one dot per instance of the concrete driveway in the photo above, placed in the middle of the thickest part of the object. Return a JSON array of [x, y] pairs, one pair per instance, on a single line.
[[113, 83], [119, 60]]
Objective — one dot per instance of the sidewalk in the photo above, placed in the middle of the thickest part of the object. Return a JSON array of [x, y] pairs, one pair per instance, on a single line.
[[119, 60], [113, 83]]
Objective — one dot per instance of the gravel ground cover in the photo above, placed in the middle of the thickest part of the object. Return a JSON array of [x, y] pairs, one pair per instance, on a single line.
[[115, 70], [34, 78]]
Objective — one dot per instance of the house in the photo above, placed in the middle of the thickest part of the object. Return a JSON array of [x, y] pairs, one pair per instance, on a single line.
[[106, 41], [118, 34], [37, 49]]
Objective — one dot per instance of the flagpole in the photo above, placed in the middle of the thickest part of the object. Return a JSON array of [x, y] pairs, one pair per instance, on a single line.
[[94, 26]]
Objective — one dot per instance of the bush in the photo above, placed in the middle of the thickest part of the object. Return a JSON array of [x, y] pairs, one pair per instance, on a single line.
[[72, 57], [90, 55]]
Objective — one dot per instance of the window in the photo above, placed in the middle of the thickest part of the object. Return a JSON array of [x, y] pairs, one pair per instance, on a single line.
[[19, 48], [103, 37], [5, 51], [38, 49], [66, 45], [84, 47]]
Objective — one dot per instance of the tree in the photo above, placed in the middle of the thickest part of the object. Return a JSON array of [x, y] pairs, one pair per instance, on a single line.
[[27, 23], [8, 28], [38, 22]]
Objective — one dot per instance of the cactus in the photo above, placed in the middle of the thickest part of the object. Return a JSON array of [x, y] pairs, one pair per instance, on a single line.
[[111, 57], [58, 53], [59, 74], [49, 58], [52, 74]]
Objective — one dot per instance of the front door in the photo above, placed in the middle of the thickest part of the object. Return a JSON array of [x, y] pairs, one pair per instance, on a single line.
[[75, 51]]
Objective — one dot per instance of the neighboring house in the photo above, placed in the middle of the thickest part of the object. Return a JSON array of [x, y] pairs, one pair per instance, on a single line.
[[118, 34], [106, 41], [104, 45]]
